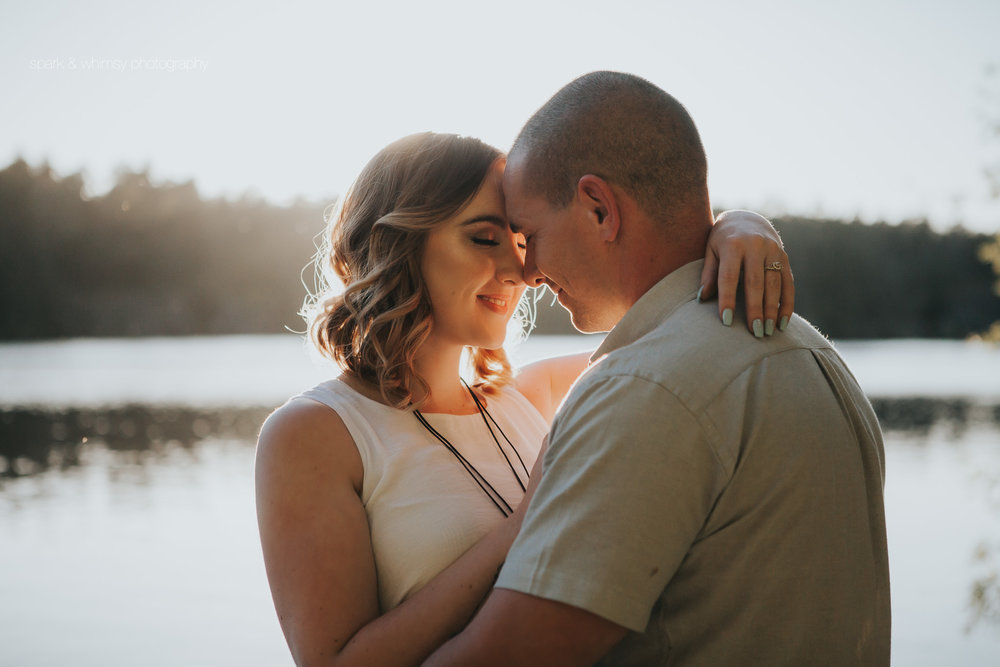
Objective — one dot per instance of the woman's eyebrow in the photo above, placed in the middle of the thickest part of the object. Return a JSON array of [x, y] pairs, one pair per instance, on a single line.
[[493, 219]]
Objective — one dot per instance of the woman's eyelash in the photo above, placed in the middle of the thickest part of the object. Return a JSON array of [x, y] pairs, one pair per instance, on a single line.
[[489, 242]]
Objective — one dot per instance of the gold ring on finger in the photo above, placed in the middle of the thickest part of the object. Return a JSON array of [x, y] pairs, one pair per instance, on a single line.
[[773, 266]]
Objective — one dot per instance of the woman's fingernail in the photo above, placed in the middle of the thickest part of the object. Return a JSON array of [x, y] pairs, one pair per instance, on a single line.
[[727, 317], [698, 297], [768, 327], [758, 329], [783, 323]]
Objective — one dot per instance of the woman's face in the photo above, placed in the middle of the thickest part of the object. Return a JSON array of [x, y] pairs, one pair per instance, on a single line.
[[472, 266]]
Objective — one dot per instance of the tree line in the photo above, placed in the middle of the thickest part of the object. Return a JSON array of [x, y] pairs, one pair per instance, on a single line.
[[158, 259]]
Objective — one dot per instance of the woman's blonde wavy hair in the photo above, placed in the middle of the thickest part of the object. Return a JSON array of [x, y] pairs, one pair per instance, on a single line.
[[371, 311]]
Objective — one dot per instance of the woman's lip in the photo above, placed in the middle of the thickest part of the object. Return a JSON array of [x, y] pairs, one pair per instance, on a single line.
[[497, 304]]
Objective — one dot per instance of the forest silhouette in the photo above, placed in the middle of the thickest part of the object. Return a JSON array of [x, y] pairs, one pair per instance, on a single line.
[[149, 259]]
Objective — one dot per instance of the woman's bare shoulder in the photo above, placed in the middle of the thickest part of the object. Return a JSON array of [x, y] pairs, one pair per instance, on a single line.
[[304, 434], [546, 382]]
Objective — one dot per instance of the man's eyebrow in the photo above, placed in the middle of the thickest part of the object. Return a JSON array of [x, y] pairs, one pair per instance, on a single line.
[[493, 219]]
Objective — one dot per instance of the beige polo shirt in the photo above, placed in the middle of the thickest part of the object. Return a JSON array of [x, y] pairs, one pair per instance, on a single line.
[[718, 495]]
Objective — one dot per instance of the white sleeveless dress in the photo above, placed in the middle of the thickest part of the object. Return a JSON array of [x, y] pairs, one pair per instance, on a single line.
[[424, 509]]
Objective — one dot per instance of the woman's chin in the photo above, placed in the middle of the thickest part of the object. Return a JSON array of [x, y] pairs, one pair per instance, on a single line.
[[493, 342]]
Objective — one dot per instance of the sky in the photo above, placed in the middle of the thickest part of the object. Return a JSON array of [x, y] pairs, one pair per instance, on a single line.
[[877, 109]]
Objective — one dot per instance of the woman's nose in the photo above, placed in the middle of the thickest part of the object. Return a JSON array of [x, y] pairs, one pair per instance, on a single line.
[[510, 267]]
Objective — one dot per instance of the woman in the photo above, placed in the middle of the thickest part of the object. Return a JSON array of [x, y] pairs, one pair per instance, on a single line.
[[387, 497]]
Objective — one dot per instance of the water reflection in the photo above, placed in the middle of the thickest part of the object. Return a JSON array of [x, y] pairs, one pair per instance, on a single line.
[[36, 440], [917, 415], [984, 602], [921, 422], [33, 440]]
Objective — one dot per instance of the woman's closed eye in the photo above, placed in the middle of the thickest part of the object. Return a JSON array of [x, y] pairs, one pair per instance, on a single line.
[[481, 240]]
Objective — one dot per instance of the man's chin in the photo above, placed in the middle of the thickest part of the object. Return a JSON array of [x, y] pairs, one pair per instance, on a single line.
[[584, 323]]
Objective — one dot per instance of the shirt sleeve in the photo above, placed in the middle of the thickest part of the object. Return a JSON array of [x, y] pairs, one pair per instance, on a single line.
[[629, 479]]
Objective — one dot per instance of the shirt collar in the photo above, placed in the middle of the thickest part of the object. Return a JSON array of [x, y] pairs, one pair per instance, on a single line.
[[653, 307]]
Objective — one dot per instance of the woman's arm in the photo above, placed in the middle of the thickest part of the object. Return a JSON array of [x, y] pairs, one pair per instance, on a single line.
[[318, 554]]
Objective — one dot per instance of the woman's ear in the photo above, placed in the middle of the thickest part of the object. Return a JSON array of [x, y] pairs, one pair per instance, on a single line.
[[599, 200]]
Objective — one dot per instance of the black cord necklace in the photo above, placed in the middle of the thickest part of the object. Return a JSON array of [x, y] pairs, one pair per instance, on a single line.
[[477, 476]]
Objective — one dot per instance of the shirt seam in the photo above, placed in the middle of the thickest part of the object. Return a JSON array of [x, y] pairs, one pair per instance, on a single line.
[[708, 430]]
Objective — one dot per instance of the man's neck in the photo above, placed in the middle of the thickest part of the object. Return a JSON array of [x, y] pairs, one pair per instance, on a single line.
[[652, 248], [649, 263]]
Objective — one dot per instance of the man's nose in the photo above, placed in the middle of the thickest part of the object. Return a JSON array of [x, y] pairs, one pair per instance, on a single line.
[[532, 276]]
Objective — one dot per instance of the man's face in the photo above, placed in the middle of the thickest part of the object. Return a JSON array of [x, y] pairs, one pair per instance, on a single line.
[[563, 252]]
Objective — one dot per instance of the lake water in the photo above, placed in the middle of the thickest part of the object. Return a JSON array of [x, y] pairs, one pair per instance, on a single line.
[[128, 535]]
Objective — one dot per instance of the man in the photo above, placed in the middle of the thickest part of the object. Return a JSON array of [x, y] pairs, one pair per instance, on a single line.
[[708, 498]]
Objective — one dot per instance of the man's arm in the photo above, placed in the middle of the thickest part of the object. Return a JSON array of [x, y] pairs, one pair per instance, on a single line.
[[546, 632], [613, 517]]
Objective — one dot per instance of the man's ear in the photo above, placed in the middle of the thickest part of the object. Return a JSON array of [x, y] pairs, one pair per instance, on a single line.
[[601, 205]]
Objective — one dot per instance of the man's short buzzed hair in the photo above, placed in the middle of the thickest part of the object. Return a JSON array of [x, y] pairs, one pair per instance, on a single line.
[[623, 129]]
